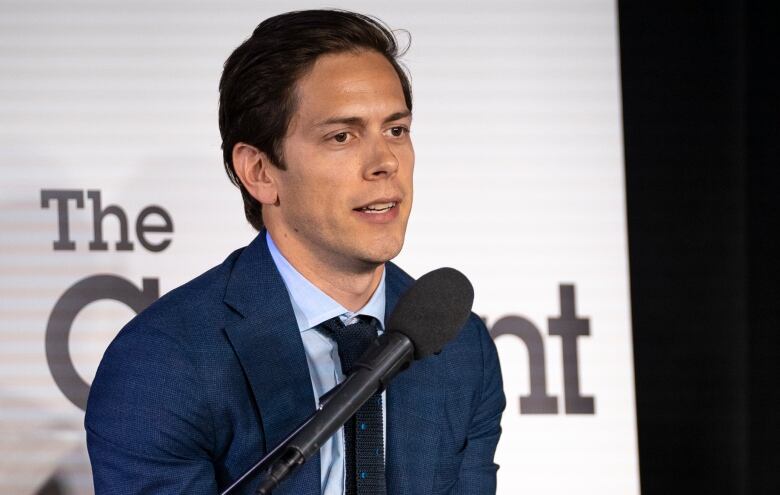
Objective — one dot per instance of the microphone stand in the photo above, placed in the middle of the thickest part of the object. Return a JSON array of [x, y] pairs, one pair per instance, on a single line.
[[273, 454]]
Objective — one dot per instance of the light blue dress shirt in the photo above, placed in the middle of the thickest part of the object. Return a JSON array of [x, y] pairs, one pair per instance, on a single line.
[[312, 307]]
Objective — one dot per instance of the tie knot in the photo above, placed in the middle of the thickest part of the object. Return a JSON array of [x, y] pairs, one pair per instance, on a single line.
[[352, 340]]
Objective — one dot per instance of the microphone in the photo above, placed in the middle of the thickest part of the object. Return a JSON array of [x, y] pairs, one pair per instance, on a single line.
[[427, 316]]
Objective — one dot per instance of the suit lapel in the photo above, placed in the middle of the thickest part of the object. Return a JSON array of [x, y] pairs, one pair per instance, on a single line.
[[414, 399], [269, 347]]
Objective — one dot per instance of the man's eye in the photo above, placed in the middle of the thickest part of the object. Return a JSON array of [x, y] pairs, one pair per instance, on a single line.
[[398, 131], [341, 137]]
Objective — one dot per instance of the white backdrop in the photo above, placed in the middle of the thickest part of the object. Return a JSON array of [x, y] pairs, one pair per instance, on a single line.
[[519, 184]]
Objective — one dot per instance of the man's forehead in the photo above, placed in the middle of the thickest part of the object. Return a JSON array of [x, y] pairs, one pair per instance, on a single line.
[[344, 86]]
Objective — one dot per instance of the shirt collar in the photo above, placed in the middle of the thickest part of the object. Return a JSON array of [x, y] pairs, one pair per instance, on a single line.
[[312, 306]]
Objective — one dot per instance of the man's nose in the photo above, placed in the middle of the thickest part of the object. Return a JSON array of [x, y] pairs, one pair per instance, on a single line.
[[382, 160]]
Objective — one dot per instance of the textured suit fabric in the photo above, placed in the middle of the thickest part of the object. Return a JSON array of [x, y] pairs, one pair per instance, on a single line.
[[196, 388]]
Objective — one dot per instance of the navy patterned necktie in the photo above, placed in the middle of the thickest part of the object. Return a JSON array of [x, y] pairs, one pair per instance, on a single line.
[[363, 433]]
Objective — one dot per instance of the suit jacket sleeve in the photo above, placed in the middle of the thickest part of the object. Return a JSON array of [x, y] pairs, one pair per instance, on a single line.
[[148, 423], [478, 470]]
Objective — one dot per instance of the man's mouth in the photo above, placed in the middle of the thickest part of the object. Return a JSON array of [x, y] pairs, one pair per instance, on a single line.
[[377, 207]]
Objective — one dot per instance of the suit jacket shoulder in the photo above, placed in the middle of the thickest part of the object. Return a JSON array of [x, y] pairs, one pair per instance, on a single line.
[[198, 386]]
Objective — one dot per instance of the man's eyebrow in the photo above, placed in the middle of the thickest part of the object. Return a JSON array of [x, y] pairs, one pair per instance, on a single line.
[[398, 116], [359, 121]]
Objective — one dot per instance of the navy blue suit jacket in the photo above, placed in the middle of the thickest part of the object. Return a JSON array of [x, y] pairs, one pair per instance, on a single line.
[[196, 388]]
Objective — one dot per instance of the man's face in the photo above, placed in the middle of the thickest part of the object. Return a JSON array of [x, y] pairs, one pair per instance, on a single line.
[[346, 193]]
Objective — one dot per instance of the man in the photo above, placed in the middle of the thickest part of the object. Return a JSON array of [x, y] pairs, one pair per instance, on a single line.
[[315, 114]]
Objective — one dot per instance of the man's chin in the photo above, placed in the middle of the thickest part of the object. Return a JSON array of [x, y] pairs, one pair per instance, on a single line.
[[380, 254], [380, 258]]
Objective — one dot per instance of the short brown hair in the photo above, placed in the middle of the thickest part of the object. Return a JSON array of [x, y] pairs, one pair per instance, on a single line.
[[256, 91]]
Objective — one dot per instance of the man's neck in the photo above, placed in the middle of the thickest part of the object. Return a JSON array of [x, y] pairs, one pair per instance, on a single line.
[[350, 287]]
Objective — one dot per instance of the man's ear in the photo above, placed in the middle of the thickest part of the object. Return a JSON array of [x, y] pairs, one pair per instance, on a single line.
[[254, 169]]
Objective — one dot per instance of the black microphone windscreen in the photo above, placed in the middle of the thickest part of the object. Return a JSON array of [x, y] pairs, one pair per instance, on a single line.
[[433, 310]]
